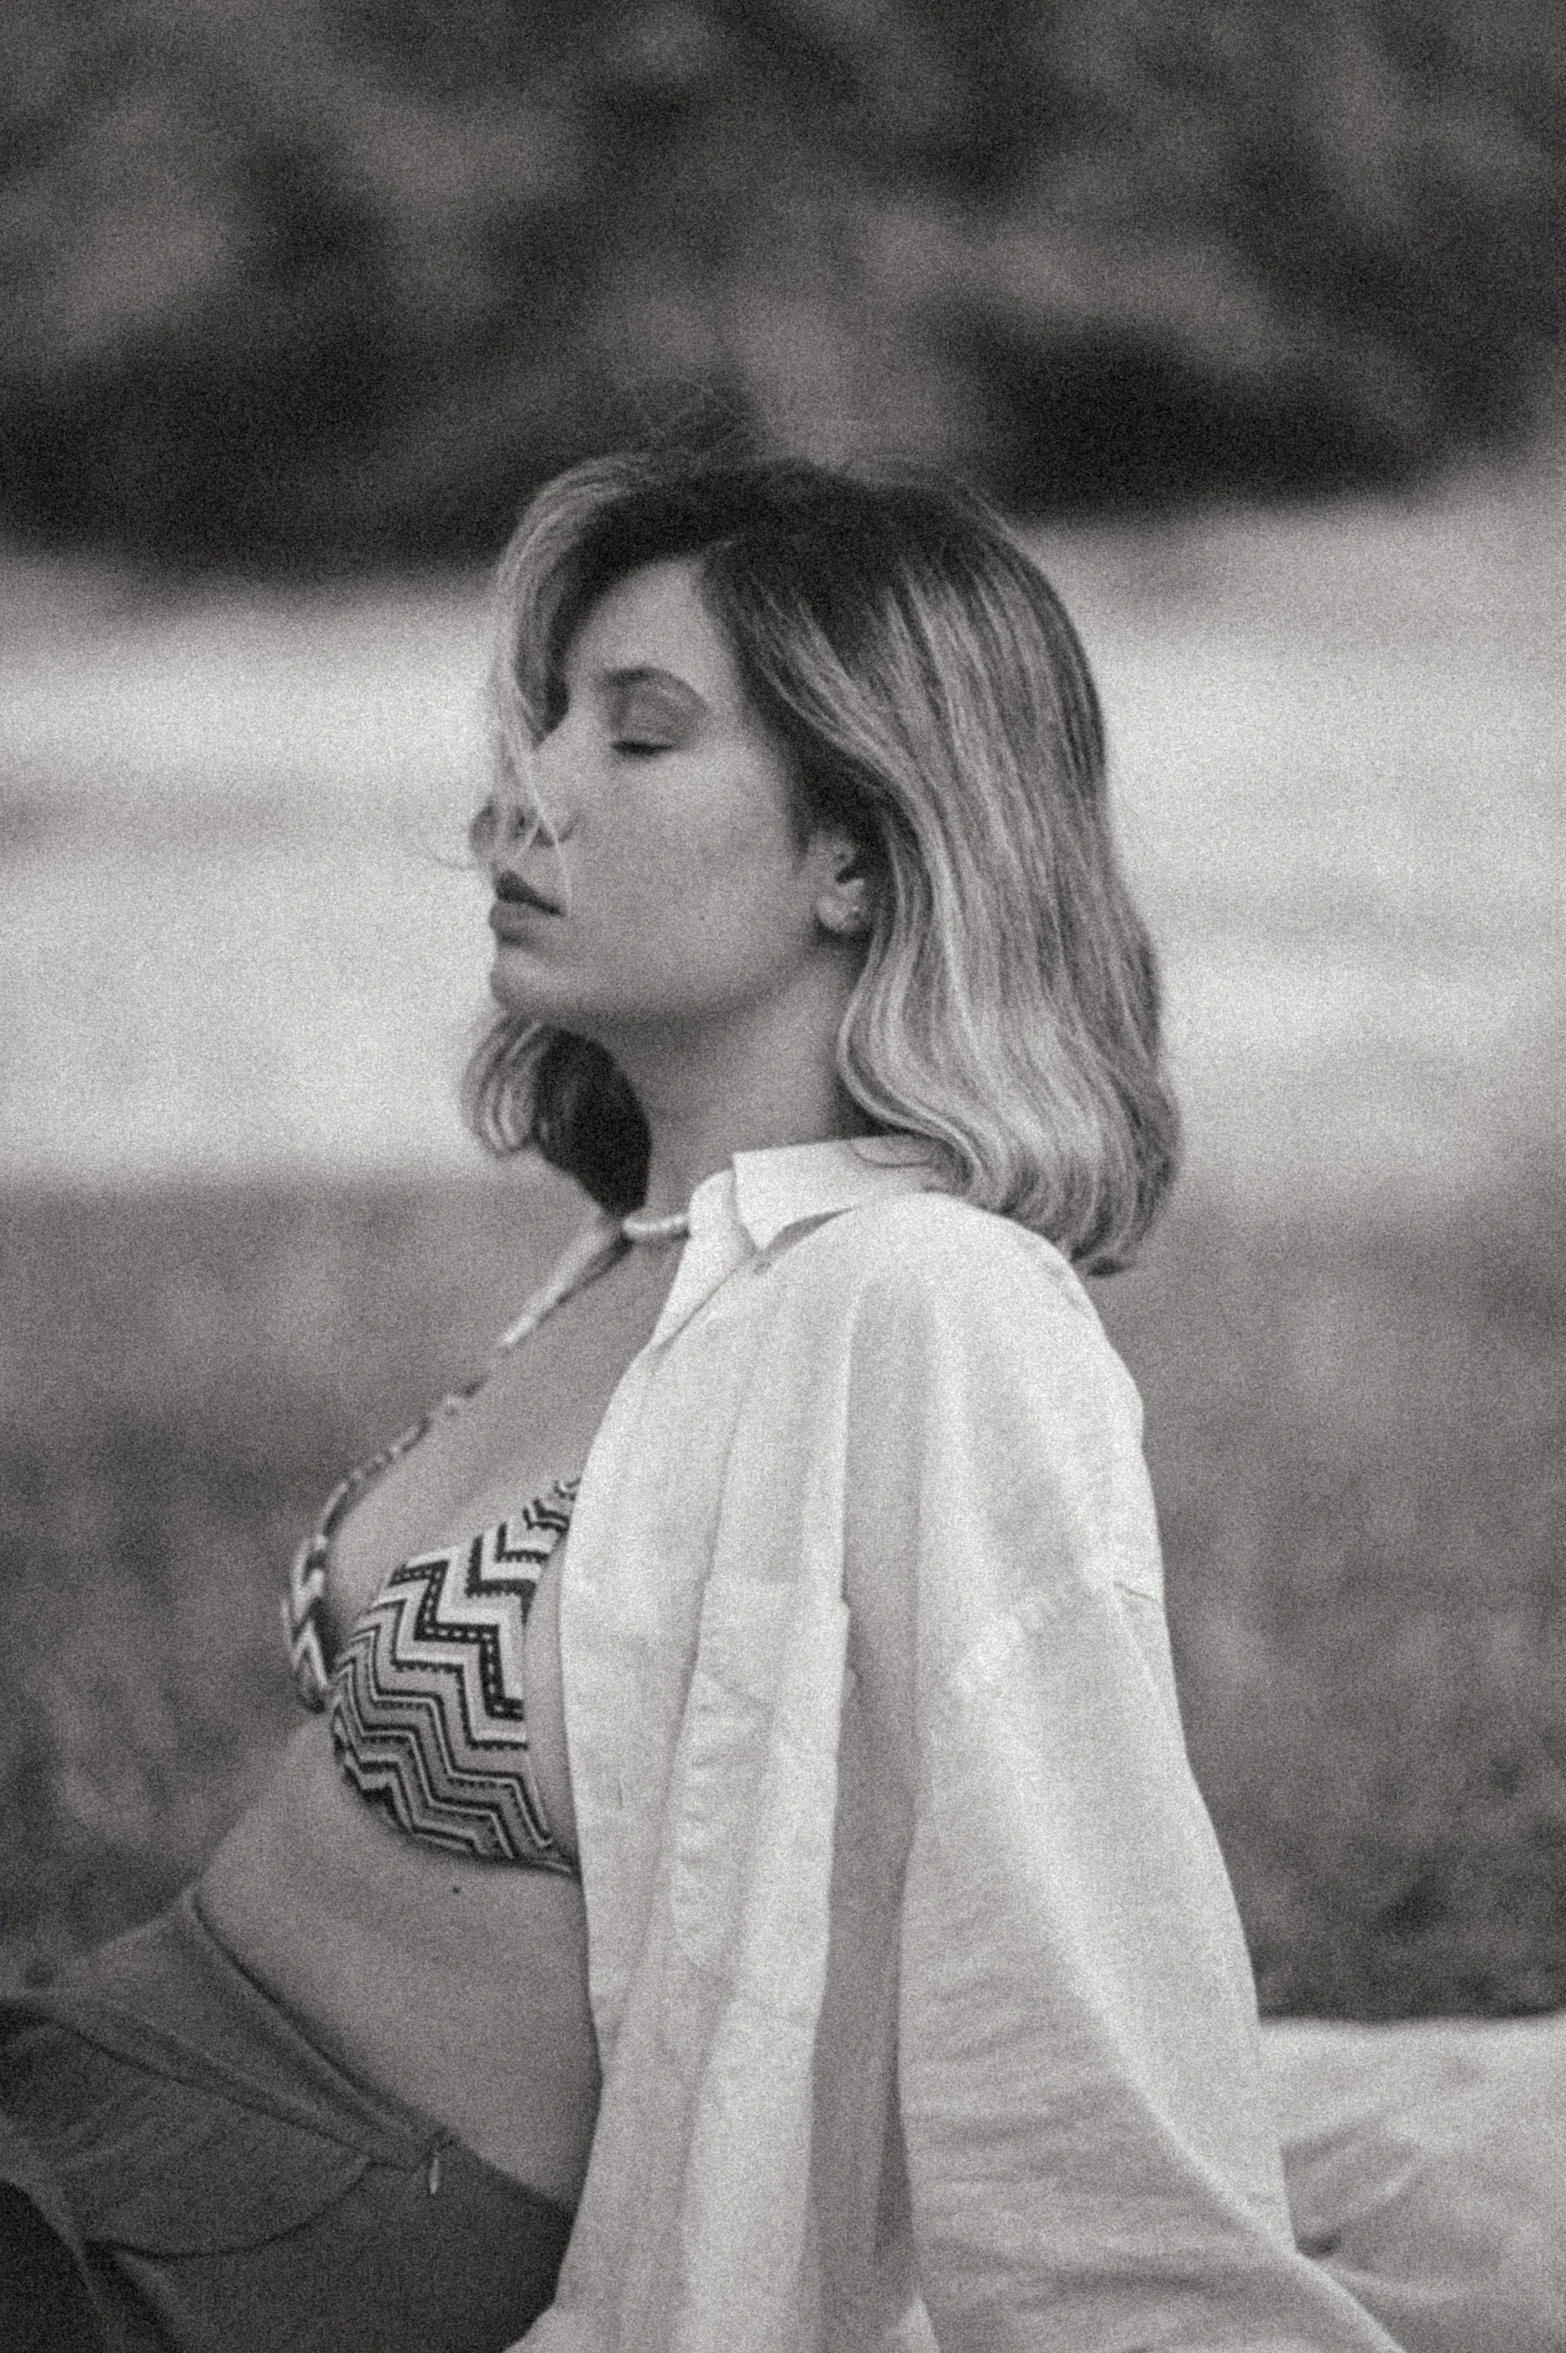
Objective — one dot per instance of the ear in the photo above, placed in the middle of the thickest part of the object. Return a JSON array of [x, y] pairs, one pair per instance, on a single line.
[[845, 896]]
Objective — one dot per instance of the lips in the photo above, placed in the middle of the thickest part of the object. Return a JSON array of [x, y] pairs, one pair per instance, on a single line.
[[512, 891], [517, 920], [517, 907]]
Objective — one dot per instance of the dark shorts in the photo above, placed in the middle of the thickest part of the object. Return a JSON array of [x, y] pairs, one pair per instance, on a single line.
[[180, 2168]]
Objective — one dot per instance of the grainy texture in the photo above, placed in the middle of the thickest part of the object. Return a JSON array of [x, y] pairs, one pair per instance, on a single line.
[[1356, 1439]]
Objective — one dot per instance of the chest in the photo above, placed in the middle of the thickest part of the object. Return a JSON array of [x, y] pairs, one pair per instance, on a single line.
[[529, 1423]]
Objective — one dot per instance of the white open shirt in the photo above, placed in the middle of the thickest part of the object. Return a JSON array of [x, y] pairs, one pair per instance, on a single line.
[[923, 2007]]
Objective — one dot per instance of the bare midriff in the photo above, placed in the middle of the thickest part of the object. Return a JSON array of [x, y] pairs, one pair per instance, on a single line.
[[460, 1987]]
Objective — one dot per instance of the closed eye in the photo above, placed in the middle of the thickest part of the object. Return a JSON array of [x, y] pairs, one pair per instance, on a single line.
[[635, 749]]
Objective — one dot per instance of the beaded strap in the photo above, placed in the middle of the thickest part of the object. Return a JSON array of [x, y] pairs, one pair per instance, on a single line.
[[590, 1255]]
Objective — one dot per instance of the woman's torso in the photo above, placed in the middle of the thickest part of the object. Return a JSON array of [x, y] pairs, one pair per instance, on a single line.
[[459, 1985]]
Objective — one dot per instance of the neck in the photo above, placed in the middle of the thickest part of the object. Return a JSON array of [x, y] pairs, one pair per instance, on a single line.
[[707, 1097]]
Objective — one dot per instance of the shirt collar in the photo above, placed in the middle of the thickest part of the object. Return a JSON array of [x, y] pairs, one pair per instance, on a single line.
[[793, 1182], [740, 1210]]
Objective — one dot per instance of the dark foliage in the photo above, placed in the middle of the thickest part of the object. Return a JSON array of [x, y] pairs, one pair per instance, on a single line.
[[315, 277]]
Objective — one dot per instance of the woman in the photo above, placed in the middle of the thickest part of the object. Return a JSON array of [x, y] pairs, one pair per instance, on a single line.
[[743, 1829]]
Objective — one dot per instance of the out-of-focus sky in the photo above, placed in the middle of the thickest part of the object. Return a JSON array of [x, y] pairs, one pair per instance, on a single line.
[[236, 934], [1255, 312]]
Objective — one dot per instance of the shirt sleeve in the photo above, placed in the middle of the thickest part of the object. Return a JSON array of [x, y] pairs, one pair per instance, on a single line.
[[1089, 2157]]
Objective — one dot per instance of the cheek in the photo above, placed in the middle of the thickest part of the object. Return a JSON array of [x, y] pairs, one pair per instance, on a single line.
[[732, 841], [686, 879], [735, 908]]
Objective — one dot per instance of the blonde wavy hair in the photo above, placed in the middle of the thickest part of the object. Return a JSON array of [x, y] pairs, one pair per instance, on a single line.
[[909, 653]]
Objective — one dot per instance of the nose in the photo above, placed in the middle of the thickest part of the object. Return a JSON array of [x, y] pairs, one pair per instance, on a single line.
[[517, 814]]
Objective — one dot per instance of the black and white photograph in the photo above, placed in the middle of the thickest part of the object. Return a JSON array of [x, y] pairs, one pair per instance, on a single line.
[[783, 1176]]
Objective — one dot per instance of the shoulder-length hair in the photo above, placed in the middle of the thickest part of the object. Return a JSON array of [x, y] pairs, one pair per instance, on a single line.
[[912, 658]]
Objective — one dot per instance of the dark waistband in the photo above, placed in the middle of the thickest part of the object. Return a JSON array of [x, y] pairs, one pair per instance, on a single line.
[[200, 2176], [171, 1997]]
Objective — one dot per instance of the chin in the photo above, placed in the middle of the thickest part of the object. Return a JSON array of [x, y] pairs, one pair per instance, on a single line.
[[524, 1003], [514, 985], [519, 989]]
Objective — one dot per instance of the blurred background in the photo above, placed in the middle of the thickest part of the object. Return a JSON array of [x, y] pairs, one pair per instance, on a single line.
[[1251, 311]]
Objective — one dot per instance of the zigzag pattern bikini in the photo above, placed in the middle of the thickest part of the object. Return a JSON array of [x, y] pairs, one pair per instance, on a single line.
[[425, 1697]]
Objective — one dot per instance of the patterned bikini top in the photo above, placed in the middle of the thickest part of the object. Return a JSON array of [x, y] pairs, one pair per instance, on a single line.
[[425, 1697]]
